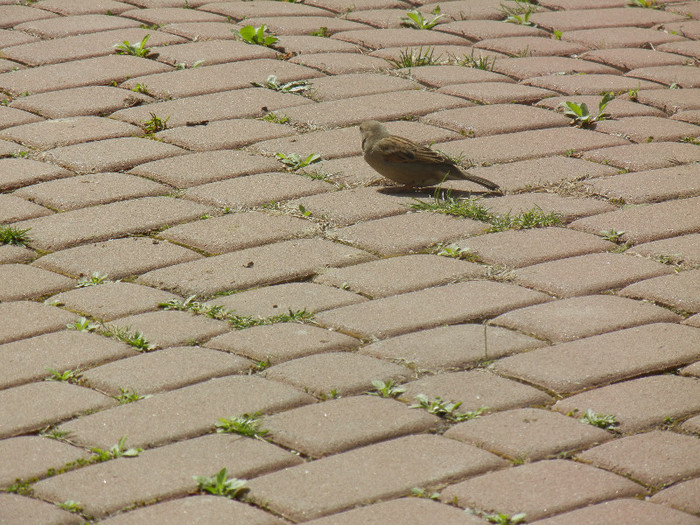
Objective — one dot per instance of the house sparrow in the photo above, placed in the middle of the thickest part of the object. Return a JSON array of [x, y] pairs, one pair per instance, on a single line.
[[408, 163]]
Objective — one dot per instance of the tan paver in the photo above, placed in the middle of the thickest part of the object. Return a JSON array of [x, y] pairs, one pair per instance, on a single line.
[[605, 18], [74, 25], [25, 282], [16, 173], [20, 319], [678, 290], [648, 129], [680, 496], [647, 156], [28, 510], [684, 249]]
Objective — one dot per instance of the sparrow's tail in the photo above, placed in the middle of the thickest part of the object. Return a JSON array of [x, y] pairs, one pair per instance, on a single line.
[[479, 180]]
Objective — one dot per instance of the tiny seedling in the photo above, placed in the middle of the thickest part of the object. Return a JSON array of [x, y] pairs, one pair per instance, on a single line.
[[246, 425], [633, 94], [647, 4], [295, 162], [557, 34], [505, 519], [129, 395], [416, 19], [125, 335], [52, 432], [534, 218], [20, 155], [71, 506], [322, 32], [183, 65], [416, 58], [418, 492], [604, 421], [67, 376], [518, 7], [20, 487], [304, 211], [256, 35], [582, 117], [141, 88], [295, 87], [115, 451], [83, 324], [386, 389], [259, 366], [218, 485], [155, 124], [274, 117], [483, 62], [93, 280], [445, 409], [612, 235], [15, 236], [137, 50], [521, 19], [455, 252]]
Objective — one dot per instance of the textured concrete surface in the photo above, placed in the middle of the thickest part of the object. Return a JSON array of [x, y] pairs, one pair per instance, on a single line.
[[174, 273]]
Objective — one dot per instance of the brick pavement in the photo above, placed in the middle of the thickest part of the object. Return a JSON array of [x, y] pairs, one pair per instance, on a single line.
[[178, 275]]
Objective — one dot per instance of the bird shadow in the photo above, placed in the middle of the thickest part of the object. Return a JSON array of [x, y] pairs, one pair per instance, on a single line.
[[428, 192]]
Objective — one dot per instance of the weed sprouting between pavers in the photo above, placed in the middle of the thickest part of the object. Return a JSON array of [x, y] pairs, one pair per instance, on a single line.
[[220, 485], [446, 409], [14, 236], [246, 425]]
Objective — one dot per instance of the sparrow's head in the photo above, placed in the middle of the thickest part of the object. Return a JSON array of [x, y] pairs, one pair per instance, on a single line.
[[372, 128]]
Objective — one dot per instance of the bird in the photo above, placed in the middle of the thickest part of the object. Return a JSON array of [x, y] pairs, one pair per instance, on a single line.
[[408, 163]]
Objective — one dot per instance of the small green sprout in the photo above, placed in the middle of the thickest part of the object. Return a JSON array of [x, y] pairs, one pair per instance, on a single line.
[[446, 409], [155, 124], [646, 4], [612, 234], [71, 506], [129, 395], [295, 162], [322, 32], [256, 35], [67, 376], [137, 50], [418, 492], [416, 19], [14, 236], [125, 335], [93, 280], [505, 519], [115, 451], [386, 389], [415, 58], [295, 87], [274, 117], [483, 62], [580, 114], [83, 324], [218, 485], [246, 425], [604, 421]]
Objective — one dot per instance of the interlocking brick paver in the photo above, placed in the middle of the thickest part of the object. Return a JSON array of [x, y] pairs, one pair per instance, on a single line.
[[330, 374], [469, 9], [17, 14], [15, 254], [80, 7], [429, 308], [684, 249], [587, 274], [188, 510], [316, 489], [29, 359], [211, 52], [89, 100], [536, 489], [294, 25], [588, 84], [341, 63], [270, 264], [13, 209], [10, 38], [670, 100], [566, 208], [182, 413], [476, 30], [45, 403], [532, 66], [74, 25], [578, 317], [634, 510], [616, 17], [531, 46], [681, 496], [688, 116], [239, 11], [380, 18], [281, 342], [686, 48], [345, 86], [26, 457], [64, 230], [22, 509], [15, 173], [657, 458], [202, 31], [527, 434], [647, 223], [497, 93], [680, 290], [682, 76], [107, 487], [20, 319], [401, 37], [640, 403], [446, 75], [649, 129], [88, 190], [632, 58], [620, 37], [163, 370], [601, 359], [170, 15], [343, 424], [451, 347], [9, 116]]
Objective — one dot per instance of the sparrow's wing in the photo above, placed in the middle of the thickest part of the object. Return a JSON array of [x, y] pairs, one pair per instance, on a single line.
[[400, 150]]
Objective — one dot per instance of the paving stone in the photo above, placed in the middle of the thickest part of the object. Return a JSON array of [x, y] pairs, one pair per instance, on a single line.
[[257, 8], [10, 38], [632, 58], [446, 75], [281, 342], [409, 511], [256, 190], [588, 84], [656, 458], [406, 233], [22, 319], [529, 67], [527, 434], [692, 425], [274, 300], [306, 44], [476, 389], [74, 25], [680, 250], [621, 37], [688, 116], [519, 248], [531, 46], [682, 496], [45, 403], [62, 132], [693, 321], [617, 17], [28, 457], [170, 15], [195, 510], [338, 425], [341, 63], [340, 87], [224, 134], [525, 145], [682, 76], [235, 231], [616, 108], [442, 54], [401, 37], [497, 93], [199, 168], [13, 209], [574, 366], [649, 186], [588, 274], [315, 489], [64, 230], [183, 413], [9, 116], [221, 77], [469, 9], [566, 208], [352, 172], [476, 30], [24, 282], [16, 14], [678, 290], [79, 73], [429, 308], [15, 173], [691, 370], [29, 359], [570, 319], [634, 510], [15, 254], [342, 208], [336, 373], [646, 223], [640, 403], [164, 370], [451, 347], [687, 48], [110, 155], [671, 100], [211, 52], [89, 100], [379, 18], [201, 31], [648, 129], [271, 264], [80, 7], [20, 509], [110, 486], [375, 279], [199, 110], [171, 328], [295, 25], [88, 190], [536, 489]]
